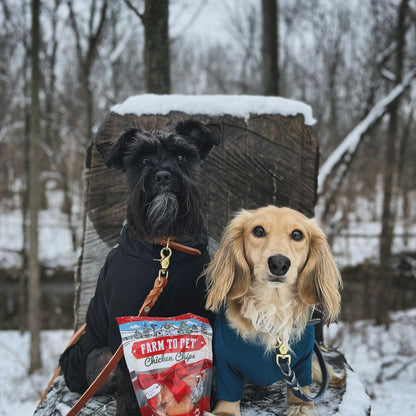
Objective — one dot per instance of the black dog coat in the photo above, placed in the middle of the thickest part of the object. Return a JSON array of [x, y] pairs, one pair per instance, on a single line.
[[124, 282]]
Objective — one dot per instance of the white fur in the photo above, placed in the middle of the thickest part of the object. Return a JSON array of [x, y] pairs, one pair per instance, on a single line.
[[271, 312]]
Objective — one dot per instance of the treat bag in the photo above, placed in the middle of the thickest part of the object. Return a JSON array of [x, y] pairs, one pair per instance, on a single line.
[[170, 363]]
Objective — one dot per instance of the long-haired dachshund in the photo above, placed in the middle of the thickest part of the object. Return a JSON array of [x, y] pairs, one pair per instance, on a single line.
[[272, 267]]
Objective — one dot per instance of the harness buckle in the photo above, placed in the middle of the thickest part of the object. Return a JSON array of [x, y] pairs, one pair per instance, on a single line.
[[286, 357]]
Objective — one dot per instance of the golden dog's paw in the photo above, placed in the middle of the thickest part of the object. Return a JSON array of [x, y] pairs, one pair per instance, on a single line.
[[301, 410]]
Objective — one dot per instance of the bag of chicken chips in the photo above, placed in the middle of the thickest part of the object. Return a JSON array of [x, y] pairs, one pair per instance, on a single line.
[[170, 363]]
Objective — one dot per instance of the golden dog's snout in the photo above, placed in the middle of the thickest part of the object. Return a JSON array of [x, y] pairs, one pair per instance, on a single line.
[[278, 265]]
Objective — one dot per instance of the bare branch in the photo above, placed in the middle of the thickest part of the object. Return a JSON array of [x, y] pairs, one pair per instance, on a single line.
[[76, 31], [136, 11], [337, 163], [388, 75], [384, 56], [94, 37]]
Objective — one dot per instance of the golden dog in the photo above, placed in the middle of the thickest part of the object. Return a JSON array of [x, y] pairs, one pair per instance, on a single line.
[[272, 267]]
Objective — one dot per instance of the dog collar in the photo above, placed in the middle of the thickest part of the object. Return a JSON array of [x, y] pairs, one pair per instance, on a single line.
[[177, 246]]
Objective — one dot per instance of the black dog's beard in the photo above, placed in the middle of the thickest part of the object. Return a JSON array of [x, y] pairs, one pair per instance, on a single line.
[[166, 214], [162, 214]]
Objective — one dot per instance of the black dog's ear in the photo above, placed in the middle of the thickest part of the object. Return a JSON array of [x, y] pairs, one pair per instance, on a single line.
[[203, 135], [113, 152]]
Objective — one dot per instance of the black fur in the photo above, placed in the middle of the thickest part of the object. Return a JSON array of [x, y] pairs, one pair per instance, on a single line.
[[160, 169], [162, 201]]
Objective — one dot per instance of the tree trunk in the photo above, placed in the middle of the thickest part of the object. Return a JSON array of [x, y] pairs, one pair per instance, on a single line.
[[34, 190], [403, 182], [390, 181], [270, 47], [156, 47], [23, 279], [87, 58]]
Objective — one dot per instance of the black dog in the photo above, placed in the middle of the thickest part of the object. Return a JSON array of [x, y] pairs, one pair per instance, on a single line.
[[162, 202]]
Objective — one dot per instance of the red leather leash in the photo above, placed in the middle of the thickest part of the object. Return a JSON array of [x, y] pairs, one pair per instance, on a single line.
[[178, 246]]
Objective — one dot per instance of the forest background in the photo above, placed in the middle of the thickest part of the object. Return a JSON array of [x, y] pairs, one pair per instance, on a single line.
[[66, 62]]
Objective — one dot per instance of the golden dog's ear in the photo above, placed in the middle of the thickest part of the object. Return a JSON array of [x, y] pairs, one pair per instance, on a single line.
[[320, 280], [228, 275]]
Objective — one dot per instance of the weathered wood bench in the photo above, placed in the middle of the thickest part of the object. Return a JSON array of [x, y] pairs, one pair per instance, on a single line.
[[268, 156]]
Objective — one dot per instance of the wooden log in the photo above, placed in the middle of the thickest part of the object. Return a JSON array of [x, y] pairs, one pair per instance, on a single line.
[[266, 159], [335, 402]]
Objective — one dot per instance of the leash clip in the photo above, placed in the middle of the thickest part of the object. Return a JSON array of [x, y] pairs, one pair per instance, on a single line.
[[164, 260], [162, 273]]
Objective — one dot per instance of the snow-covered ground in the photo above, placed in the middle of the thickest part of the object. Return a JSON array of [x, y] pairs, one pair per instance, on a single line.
[[358, 241], [55, 241], [385, 361]]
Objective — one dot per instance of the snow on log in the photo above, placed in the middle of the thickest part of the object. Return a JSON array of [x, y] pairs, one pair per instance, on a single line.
[[242, 106]]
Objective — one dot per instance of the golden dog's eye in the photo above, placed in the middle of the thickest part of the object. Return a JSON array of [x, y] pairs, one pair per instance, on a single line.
[[259, 231], [297, 235]]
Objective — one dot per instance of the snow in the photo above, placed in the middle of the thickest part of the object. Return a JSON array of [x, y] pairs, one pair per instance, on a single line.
[[20, 393], [55, 241], [349, 145], [383, 359], [359, 242], [355, 399], [214, 105]]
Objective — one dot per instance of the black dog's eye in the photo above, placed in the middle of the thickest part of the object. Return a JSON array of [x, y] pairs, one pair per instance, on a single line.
[[297, 235], [144, 161], [259, 231], [180, 158]]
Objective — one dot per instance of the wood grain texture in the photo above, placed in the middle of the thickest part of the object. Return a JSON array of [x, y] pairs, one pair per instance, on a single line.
[[267, 159], [272, 402]]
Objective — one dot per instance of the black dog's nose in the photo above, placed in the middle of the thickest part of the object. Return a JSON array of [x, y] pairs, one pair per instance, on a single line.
[[278, 265], [163, 177]]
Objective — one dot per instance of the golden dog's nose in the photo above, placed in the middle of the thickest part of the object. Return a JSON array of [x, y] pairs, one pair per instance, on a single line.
[[278, 265]]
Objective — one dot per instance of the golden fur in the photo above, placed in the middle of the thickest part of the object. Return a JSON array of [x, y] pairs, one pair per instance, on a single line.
[[257, 303]]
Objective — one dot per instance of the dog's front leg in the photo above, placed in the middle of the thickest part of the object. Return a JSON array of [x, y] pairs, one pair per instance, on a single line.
[[224, 408], [118, 383], [297, 407]]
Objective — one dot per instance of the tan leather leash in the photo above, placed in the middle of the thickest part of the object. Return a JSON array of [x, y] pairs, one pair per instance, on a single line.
[[73, 340], [150, 300], [159, 285]]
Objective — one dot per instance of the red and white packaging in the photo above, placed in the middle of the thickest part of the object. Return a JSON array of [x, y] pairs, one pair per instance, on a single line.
[[170, 363]]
